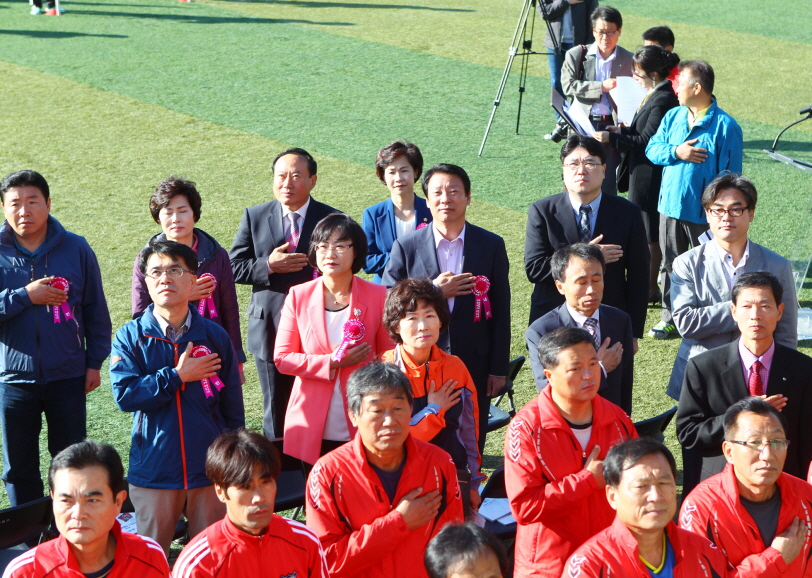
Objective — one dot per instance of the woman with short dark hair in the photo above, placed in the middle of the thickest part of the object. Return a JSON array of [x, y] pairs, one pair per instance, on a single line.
[[176, 207], [329, 328], [398, 166]]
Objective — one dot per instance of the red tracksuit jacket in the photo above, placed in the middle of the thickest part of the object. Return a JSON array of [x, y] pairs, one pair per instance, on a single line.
[[713, 509], [362, 534], [614, 553], [556, 502]]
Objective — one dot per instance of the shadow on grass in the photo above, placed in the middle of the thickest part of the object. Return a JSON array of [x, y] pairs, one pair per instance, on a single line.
[[206, 19], [57, 34], [784, 144], [306, 4]]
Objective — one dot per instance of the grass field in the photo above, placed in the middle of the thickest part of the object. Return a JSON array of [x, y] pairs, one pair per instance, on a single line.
[[117, 94]]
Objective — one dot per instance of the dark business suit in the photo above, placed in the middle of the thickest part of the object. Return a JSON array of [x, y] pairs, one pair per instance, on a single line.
[[484, 346], [616, 386], [379, 225], [551, 224], [261, 231], [644, 176], [714, 380]]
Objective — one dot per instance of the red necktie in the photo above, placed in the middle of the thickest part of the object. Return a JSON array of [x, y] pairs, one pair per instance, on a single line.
[[754, 383]]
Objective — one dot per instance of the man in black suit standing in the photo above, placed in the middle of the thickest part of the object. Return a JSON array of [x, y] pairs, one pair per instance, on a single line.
[[270, 253], [582, 214], [470, 266], [578, 273], [753, 365]]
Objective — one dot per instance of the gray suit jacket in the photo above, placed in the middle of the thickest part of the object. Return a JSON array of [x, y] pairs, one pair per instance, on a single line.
[[588, 91], [700, 302]]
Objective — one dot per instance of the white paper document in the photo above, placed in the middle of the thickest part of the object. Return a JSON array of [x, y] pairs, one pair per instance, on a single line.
[[579, 117], [496, 510], [628, 94]]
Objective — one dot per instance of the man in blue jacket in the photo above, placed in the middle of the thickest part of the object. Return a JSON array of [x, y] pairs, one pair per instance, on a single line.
[[178, 373], [695, 142], [54, 332]]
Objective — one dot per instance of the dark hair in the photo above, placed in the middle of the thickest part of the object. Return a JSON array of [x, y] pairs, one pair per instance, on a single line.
[[446, 169], [653, 58], [232, 458], [171, 249], [607, 14], [87, 454], [458, 546], [728, 180], [662, 35], [552, 343], [562, 257], [592, 146], [754, 405], [701, 73], [626, 454], [390, 152], [24, 179], [168, 190], [757, 279], [377, 377], [406, 296], [347, 230], [311, 162]]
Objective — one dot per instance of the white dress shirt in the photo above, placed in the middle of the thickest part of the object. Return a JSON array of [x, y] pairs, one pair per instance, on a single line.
[[450, 255], [732, 272], [603, 71]]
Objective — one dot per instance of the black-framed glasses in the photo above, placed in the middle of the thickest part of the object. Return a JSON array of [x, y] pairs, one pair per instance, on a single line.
[[776, 445], [733, 211], [172, 273]]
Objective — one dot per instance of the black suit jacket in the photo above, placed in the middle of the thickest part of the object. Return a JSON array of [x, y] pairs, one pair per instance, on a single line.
[[551, 225], [261, 231], [644, 176], [484, 346], [714, 381], [616, 386]]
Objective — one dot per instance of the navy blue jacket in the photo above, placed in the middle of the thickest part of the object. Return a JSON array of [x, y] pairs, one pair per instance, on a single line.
[[174, 423], [34, 349]]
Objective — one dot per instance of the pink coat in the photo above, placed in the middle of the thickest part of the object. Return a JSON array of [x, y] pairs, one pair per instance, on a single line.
[[303, 350]]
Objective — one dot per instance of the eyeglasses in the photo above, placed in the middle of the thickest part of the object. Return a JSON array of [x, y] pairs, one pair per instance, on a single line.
[[776, 445], [606, 32], [589, 166], [733, 212], [340, 249], [173, 273]]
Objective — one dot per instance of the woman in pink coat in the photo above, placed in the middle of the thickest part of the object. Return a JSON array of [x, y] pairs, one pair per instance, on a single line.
[[329, 327]]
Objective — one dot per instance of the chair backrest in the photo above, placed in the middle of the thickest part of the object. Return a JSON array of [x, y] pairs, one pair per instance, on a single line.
[[25, 523], [653, 427], [495, 486], [513, 371]]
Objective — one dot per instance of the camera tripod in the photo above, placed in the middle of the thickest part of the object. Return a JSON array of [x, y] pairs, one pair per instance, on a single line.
[[521, 46]]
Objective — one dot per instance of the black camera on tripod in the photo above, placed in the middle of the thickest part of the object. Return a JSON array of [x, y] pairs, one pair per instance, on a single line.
[[559, 132]]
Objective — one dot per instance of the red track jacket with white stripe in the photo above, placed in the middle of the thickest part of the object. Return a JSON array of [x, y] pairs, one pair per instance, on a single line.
[[555, 500], [288, 549]]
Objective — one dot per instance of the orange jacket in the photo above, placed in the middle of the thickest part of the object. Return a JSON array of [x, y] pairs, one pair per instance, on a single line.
[[555, 500]]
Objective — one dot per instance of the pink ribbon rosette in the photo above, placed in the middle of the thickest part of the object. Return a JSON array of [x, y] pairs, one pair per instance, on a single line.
[[200, 351], [354, 331], [421, 226], [480, 290], [208, 302], [62, 284]]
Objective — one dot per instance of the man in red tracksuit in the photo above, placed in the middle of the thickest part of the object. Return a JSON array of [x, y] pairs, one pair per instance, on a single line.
[[753, 503], [86, 482], [377, 501], [644, 541], [554, 452], [250, 542]]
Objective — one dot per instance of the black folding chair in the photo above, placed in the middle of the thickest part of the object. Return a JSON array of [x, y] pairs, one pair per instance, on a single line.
[[22, 526], [291, 483], [654, 427], [497, 417]]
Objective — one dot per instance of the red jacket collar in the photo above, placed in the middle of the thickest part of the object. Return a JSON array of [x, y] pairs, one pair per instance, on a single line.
[[626, 539], [551, 417], [66, 557], [730, 489]]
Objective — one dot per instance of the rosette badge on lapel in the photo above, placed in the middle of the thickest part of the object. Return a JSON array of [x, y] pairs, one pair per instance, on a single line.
[[480, 291], [354, 332], [200, 351], [208, 302], [62, 284]]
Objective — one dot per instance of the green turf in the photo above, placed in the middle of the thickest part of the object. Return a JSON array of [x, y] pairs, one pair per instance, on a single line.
[[117, 94]]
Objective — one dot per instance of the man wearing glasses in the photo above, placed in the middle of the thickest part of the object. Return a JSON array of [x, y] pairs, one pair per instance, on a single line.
[[753, 503], [589, 73], [752, 364], [177, 372], [582, 214]]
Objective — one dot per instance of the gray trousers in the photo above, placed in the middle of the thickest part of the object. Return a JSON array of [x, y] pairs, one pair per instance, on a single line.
[[676, 237]]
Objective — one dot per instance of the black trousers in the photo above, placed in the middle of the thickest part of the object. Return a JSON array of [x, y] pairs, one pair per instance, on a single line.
[[276, 388]]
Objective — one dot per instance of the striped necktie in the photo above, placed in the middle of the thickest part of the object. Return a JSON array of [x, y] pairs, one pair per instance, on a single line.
[[293, 232], [591, 325]]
